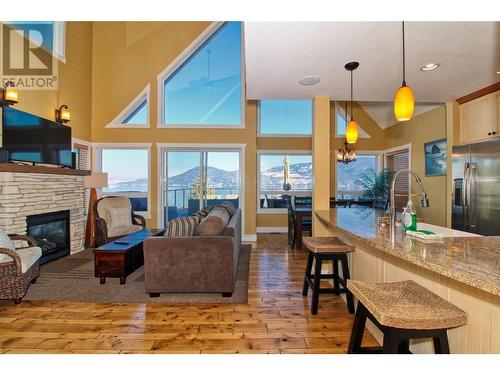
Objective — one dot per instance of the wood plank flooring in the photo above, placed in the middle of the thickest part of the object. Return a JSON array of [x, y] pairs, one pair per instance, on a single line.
[[277, 319]]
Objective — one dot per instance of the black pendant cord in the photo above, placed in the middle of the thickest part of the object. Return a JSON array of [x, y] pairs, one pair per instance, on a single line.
[[404, 61], [352, 114]]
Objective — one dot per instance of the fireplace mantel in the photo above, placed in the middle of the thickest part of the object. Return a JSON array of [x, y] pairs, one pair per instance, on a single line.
[[21, 168]]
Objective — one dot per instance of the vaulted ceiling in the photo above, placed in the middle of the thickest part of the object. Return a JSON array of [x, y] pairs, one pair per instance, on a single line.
[[278, 54]]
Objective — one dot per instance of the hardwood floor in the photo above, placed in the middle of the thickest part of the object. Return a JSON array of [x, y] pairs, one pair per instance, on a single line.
[[277, 319]]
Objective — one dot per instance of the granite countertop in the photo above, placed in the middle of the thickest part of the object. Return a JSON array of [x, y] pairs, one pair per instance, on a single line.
[[474, 261]]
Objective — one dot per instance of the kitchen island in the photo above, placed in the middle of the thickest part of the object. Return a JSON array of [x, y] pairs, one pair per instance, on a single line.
[[463, 269]]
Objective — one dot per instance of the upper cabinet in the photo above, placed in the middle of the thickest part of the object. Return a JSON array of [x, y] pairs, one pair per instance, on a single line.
[[479, 118]]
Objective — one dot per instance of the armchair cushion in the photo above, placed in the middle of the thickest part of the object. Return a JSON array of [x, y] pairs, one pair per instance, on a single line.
[[7, 243], [28, 256], [123, 230], [119, 217]]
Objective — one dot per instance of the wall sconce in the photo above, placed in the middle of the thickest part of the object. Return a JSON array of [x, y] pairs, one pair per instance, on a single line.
[[9, 94], [63, 115]]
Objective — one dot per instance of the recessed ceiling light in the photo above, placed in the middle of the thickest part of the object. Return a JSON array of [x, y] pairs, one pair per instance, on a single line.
[[309, 80], [430, 66]]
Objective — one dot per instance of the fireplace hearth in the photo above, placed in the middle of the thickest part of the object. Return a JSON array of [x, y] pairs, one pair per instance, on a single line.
[[51, 232]]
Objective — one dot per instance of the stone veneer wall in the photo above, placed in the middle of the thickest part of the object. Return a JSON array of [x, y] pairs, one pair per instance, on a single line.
[[24, 194]]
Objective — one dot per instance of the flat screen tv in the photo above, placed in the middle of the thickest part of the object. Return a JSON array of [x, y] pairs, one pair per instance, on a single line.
[[33, 139]]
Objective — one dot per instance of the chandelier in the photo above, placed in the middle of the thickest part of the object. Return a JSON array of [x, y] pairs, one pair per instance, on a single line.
[[345, 155]]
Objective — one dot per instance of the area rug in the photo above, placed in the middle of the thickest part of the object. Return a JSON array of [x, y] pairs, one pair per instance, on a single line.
[[72, 279]]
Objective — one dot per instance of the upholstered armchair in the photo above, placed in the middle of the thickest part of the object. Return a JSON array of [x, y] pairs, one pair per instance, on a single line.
[[105, 230], [18, 268]]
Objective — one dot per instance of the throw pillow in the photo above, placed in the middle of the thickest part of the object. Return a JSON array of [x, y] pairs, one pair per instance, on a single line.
[[229, 207], [214, 223], [203, 213], [119, 217], [6, 243], [182, 226]]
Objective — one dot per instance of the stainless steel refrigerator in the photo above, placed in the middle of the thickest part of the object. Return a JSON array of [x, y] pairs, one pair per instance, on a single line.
[[476, 188]]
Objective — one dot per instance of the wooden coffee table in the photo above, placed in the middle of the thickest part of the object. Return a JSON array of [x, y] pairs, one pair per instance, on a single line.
[[121, 259]]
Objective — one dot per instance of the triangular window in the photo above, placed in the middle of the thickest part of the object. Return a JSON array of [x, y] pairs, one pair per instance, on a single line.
[[136, 114], [341, 124], [203, 87]]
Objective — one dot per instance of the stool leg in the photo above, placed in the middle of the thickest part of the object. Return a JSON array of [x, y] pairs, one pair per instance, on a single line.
[[358, 329], [346, 276], [391, 342], [441, 345], [316, 285], [404, 347], [336, 285], [307, 275]]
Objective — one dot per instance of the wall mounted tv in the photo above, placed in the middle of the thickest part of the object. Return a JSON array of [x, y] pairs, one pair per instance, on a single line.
[[33, 139]]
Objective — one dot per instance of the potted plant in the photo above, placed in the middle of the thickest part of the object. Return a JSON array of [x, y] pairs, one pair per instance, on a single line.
[[376, 186]]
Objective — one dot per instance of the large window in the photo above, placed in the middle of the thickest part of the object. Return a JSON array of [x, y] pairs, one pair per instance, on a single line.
[[272, 177], [206, 89], [285, 117], [135, 114], [350, 175], [128, 174]]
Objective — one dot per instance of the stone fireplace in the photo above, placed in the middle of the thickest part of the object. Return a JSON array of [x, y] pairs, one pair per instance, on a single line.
[[26, 192]]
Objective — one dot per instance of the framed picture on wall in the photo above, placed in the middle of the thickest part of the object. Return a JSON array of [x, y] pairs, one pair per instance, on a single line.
[[435, 158]]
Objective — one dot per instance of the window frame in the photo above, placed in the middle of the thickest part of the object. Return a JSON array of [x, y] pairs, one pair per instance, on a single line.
[[277, 152], [144, 95], [180, 60], [283, 135], [380, 164], [97, 157]]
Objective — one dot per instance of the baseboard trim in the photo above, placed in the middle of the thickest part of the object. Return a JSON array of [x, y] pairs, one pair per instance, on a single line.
[[272, 229], [249, 238]]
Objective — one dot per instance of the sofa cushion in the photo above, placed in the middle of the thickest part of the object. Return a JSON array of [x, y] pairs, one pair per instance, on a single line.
[[111, 202], [119, 217], [229, 207], [28, 255], [6, 243], [182, 226], [123, 231], [214, 223]]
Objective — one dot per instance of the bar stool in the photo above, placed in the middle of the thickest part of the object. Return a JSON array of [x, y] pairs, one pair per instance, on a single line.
[[321, 249], [402, 311]]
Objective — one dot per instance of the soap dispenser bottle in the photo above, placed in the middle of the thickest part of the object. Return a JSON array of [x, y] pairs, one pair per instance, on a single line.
[[409, 217]]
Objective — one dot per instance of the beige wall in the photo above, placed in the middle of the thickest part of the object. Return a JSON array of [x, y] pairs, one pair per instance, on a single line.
[[427, 127], [127, 56], [74, 82]]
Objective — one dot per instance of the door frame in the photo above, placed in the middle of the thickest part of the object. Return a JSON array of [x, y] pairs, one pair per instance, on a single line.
[[162, 148]]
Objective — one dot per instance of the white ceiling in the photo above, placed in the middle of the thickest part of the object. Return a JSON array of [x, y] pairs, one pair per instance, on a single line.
[[278, 54], [383, 112]]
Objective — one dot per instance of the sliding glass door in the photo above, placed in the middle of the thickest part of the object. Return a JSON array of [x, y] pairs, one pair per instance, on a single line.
[[195, 178]]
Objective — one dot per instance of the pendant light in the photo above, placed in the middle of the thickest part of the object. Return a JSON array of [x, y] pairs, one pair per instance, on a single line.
[[404, 101], [346, 155], [351, 130]]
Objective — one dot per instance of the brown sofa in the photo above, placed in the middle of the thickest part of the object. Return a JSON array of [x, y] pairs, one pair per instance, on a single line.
[[206, 264]]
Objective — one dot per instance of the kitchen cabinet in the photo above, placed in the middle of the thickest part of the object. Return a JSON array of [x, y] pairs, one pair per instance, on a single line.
[[479, 118]]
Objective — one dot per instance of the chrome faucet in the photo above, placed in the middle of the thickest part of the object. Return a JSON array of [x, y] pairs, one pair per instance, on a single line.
[[424, 200]]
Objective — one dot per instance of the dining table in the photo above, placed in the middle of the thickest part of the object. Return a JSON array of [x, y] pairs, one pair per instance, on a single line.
[[301, 213]]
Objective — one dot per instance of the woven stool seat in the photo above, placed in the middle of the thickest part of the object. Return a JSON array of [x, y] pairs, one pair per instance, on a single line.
[[327, 245], [407, 305]]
